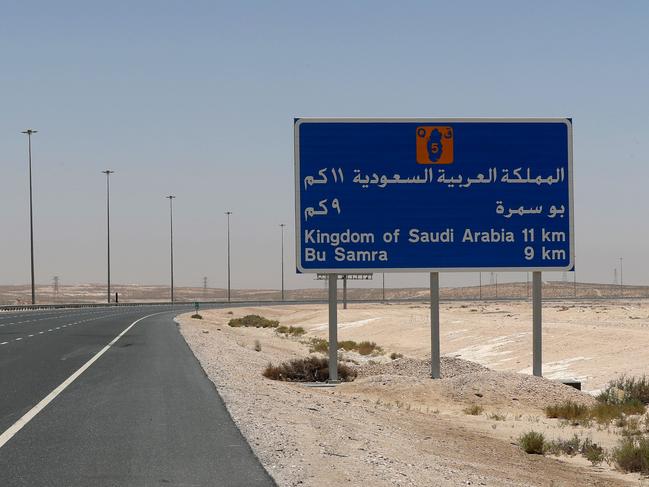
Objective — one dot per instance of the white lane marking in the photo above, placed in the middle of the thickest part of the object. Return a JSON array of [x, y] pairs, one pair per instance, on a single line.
[[83, 314], [68, 324], [63, 326], [29, 415], [29, 321], [4, 343]]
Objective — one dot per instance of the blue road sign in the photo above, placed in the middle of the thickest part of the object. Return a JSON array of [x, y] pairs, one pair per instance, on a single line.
[[381, 195]]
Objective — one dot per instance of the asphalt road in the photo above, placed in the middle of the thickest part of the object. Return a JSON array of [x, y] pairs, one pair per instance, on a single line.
[[142, 414]]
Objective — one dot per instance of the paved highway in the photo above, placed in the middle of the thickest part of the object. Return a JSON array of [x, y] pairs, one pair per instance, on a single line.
[[77, 412]]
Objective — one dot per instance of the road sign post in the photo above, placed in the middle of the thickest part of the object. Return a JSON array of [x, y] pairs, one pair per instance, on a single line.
[[333, 328], [434, 195], [435, 365], [537, 340]]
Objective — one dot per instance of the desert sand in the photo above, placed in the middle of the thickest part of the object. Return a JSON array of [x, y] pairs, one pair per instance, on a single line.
[[395, 426], [129, 293], [591, 341]]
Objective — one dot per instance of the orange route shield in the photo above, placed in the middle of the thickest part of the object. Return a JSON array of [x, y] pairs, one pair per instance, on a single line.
[[434, 144]]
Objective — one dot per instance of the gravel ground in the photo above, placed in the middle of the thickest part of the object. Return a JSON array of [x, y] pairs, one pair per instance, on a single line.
[[344, 436], [463, 380], [450, 367]]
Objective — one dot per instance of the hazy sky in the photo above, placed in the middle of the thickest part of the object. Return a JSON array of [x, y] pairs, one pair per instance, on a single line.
[[197, 98]]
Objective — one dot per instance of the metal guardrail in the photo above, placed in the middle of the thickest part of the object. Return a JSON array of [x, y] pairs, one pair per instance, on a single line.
[[419, 299], [31, 307], [34, 307]]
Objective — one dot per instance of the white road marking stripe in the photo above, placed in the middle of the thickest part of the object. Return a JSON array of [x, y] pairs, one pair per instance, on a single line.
[[56, 316], [19, 338], [30, 336], [29, 415], [4, 343]]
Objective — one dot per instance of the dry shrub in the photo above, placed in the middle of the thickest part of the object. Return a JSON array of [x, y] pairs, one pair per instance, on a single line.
[[255, 321], [605, 413], [197, 316], [532, 442], [631, 427], [632, 455], [568, 410], [473, 410], [601, 412], [497, 417], [395, 355], [366, 348], [626, 389], [594, 453], [363, 348], [318, 345], [347, 345], [567, 447], [309, 369], [290, 330]]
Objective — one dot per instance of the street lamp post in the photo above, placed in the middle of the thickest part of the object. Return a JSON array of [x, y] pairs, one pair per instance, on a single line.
[[282, 225], [29, 133], [108, 172], [228, 213], [171, 233]]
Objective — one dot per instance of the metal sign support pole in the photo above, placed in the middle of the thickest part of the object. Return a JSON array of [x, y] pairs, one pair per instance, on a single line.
[[344, 291], [537, 349], [434, 326], [333, 329]]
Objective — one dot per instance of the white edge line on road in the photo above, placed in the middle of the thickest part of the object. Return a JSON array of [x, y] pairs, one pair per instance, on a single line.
[[29, 415]]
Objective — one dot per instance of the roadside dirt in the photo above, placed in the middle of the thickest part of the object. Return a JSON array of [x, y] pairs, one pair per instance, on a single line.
[[393, 425]]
